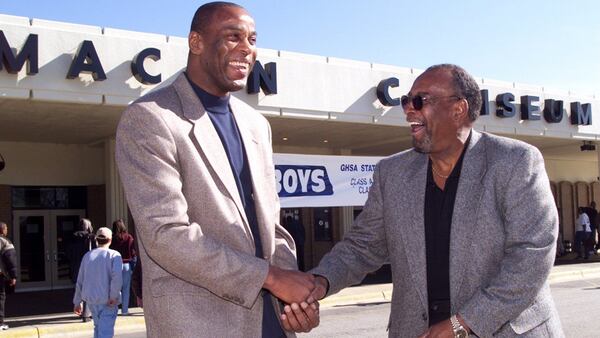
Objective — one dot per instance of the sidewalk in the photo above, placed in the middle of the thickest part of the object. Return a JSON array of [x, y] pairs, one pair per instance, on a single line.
[[67, 325]]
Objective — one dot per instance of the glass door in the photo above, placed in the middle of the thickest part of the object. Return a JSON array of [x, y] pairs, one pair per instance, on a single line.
[[42, 240], [63, 224], [33, 252]]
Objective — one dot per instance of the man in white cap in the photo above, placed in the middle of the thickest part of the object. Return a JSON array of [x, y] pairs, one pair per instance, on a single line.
[[100, 290]]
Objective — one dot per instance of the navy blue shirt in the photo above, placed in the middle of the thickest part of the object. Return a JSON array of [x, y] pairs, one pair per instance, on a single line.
[[224, 123]]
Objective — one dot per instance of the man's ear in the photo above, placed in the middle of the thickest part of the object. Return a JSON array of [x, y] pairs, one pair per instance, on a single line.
[[195, 43], [461, 110]]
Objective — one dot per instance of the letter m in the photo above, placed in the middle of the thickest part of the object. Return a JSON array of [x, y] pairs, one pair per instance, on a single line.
[[581, 114], [14, 63]]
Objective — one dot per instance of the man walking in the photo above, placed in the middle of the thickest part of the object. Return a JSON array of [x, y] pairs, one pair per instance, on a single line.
[[197, 169], [466, 219], [8, 269], [99, 284]]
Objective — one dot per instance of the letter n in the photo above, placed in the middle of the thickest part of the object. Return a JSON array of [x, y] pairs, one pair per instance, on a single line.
[[265, 78], [13, 63]]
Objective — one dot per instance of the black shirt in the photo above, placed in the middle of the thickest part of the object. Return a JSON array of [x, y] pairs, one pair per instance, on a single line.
[[439, 207]]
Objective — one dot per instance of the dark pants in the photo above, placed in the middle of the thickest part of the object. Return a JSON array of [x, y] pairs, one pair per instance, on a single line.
[[580, 240], [2, 297]]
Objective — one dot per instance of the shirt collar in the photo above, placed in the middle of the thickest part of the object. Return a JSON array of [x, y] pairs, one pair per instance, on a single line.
[[212, 103]]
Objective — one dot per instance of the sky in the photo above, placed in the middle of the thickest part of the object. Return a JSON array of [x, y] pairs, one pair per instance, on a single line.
[[550, 43]]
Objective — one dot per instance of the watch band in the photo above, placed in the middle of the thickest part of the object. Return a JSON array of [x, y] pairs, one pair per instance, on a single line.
[[459, 330]]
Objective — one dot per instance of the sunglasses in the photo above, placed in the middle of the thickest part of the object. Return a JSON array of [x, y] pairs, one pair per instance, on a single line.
[[419, 100]]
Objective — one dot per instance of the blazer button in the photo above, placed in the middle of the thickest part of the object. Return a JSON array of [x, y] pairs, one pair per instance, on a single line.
[[424, 316]]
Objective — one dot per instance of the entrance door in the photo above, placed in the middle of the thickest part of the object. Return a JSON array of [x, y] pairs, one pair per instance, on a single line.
[[42, 238]]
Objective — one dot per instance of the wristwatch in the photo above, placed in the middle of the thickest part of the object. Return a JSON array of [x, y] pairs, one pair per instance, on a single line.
[[459, 330]]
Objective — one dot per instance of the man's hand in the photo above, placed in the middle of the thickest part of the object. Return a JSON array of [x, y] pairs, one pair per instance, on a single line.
[[444, 329], [112, 302], [320, 290], [77, 309], [300, 318], [288, 285]]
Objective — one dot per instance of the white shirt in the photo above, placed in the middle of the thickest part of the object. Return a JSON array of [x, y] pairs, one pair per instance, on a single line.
[[584, 222]]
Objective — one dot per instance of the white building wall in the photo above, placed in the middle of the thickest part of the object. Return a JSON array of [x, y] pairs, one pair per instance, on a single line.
[[572, 171], [51, 164]]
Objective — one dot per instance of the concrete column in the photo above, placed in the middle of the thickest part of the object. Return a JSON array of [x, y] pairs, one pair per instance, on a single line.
[[116, 204], [598, 163], [346, 220]]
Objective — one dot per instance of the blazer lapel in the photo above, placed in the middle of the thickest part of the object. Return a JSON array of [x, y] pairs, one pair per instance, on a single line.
[[255, 163], [470, 188], [412, 192], [206, 138]]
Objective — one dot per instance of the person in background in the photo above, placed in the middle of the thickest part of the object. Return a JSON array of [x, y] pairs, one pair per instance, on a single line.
[[296, 229], [83, 242], [123, 242], [590, 243], [582, 233], [8, 269], [136, 284], [99, 284]]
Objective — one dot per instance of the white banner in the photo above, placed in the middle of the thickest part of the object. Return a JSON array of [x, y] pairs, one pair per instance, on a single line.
[[323, 181]]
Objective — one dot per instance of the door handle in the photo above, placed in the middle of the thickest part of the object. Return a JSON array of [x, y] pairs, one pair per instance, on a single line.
[[55, 256], [47, 256]]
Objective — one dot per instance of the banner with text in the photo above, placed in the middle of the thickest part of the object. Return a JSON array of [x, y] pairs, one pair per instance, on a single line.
[[322, 180]]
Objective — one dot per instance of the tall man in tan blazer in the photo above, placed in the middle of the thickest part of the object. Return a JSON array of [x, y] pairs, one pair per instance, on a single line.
[[196, 165]]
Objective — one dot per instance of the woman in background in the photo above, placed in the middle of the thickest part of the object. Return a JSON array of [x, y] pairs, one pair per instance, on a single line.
[[123, 243]]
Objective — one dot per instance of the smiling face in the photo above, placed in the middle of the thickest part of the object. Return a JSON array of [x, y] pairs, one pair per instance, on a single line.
[[435, 126], [223, 53]]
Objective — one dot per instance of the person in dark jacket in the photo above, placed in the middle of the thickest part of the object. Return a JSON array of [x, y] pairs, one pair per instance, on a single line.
[[123, 243], [8, 269], [83, 241]]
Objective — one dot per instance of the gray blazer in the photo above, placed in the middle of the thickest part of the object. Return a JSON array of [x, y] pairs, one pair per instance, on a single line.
[[502, 241], [200, 277]]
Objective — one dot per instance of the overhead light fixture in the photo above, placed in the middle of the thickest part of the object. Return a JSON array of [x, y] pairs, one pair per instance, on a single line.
[[2, 162], [285, 138], [587, 146]]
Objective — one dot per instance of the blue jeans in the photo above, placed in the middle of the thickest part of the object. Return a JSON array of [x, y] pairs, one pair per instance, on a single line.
[[127, 272], [104, 317]]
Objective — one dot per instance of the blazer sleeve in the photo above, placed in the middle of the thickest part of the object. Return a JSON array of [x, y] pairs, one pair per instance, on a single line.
[[147, 159], [363, 249], [531, 228]]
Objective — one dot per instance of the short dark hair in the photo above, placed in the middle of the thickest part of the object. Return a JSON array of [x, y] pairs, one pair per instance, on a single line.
[[464, 85], [102, 241], [204, 14]]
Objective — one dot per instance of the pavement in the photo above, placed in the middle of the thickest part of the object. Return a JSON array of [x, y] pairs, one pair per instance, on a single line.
[[66, 324]]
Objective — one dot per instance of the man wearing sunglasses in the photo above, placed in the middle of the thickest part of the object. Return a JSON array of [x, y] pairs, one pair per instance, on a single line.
[[466, 219]]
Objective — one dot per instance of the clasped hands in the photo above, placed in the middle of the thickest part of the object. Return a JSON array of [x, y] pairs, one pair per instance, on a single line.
[[300, 292]]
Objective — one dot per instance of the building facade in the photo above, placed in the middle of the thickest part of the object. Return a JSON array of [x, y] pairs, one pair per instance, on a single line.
[[64, 86]]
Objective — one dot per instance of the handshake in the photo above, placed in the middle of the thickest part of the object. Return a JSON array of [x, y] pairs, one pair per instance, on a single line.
[[300, 291]]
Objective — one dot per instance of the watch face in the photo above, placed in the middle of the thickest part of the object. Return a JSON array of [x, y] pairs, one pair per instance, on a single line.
[[461, 333]]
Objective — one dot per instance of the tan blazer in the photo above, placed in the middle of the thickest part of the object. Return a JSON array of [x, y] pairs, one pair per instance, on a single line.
[[201, 277]]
